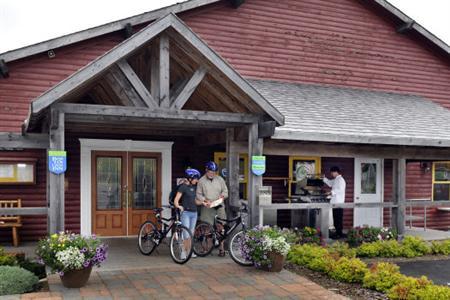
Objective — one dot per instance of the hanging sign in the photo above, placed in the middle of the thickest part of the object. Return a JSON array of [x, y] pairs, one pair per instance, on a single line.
[[258, 165], [57, 161]]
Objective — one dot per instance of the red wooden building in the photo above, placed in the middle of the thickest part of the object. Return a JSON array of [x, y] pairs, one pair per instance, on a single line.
[[310, 84]]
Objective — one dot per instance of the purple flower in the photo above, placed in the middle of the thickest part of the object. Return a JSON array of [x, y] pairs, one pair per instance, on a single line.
[[61, 273]]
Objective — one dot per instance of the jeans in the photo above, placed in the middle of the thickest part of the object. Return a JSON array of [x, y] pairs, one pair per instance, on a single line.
[[189, 219]]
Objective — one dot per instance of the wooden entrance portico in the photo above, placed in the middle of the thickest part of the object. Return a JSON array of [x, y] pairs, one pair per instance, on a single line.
[[163, 81]]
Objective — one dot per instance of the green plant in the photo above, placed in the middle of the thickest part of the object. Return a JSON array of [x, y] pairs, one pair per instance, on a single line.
[[433, 292], [34, 267], [308, 235], [408, 288], [413, 246], [324, 263], [342, 249], [303, 254], [358, 235], [7, 259], [349, 270], [369, 249], [15, 280], [440, 247], [261, 240], [68, 251], [390, 248], [382, 276]]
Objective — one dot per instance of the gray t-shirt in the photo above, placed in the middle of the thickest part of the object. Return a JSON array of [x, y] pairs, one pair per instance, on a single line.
[[188, 197]]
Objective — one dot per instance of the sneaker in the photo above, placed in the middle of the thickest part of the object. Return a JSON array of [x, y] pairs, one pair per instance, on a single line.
[[183, 255], [194, 255]]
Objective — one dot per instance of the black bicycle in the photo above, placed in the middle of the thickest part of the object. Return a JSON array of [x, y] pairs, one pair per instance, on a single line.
[[208, 236], [151, 236]]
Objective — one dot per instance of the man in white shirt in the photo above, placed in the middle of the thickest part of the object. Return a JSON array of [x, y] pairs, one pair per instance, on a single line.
[[337, 185]]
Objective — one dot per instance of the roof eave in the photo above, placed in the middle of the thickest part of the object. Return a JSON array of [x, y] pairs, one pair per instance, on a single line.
[[294, 135], [82, 35]]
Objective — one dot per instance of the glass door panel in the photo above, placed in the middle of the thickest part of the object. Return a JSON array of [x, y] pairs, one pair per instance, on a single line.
[[109, 179], [144, 183], [108, 193]]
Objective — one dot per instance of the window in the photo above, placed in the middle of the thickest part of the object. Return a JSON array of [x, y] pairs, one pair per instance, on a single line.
[[220, 158], [300, 169], [17, 171], [441, 181]]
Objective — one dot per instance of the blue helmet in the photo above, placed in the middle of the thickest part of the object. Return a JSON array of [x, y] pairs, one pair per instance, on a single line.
[[211, 166], [192, 174]]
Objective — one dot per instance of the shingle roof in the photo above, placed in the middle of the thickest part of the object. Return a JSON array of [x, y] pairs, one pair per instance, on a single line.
[[333, 114]]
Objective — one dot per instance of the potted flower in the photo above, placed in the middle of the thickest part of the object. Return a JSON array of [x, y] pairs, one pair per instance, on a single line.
[[72, 256], [266, 247]]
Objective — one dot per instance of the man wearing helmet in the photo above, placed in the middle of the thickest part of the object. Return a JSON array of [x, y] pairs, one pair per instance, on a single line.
[[210, 188], [185, 200]]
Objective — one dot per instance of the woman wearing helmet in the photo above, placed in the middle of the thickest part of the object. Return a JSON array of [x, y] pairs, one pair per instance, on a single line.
[[185, 200], [210, 188]]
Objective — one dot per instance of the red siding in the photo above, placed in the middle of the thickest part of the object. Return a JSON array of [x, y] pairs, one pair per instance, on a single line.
[[31, 195], [337, 42], [32, 76]]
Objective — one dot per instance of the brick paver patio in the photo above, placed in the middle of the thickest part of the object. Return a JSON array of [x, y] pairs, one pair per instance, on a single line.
[[130, 275], [191, 281]]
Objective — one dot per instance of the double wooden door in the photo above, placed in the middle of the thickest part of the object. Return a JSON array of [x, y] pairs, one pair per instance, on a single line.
[[126, 186]]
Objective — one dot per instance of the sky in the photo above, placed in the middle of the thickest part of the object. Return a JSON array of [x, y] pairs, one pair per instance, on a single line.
[[25, 22]]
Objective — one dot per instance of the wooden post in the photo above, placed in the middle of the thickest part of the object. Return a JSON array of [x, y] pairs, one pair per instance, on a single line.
[[394, 210], [255, 147], [233, 170], [164, 74], [401, 196], [55, 182]]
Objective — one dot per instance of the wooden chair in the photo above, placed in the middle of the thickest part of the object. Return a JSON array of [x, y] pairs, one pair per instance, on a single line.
[[10, 221]]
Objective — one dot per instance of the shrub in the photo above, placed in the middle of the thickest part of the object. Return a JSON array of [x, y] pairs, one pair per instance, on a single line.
[[369, 249], [440, 247], [382, 276], [433, 292], [304, 254], [413, 246], [349, 270], [309, 235], [358, 235], [15, 280], [34, 267], [341, 249], [7, 259], [408, 288], [390, 249], [324, 263]]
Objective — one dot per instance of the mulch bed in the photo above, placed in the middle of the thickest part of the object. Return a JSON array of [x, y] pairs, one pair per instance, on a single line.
[[351, 290]]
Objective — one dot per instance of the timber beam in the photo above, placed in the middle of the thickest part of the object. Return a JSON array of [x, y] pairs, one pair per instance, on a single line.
[[157, 114], [13, 141]]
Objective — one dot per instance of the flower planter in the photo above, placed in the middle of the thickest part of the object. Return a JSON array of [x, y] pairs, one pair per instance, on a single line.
[[277, 262], [76, 278]]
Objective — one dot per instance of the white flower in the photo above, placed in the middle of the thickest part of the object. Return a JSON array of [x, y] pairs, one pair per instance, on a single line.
[[71, 258]]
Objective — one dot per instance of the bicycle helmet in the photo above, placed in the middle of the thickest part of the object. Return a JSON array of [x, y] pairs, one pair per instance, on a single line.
[[192, 174], [211, 166]]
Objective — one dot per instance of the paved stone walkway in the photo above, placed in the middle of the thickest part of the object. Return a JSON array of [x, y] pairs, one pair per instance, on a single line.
[[224, 280]]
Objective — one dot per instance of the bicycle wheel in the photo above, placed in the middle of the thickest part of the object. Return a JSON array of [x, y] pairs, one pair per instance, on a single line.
[[203, 239], [181, 244], [147, 238], [235, 251]]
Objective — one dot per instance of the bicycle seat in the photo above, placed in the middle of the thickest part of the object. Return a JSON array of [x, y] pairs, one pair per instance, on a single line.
[[158, 210]]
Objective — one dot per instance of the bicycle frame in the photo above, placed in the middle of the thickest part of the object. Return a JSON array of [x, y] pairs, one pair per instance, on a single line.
[[166, 227], [219, 236]]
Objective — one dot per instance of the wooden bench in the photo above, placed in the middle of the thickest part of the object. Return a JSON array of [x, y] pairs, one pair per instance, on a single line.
[[10, 221]]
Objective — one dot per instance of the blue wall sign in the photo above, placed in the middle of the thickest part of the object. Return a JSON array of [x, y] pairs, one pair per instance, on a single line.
[[258, 165], [57, 161]]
